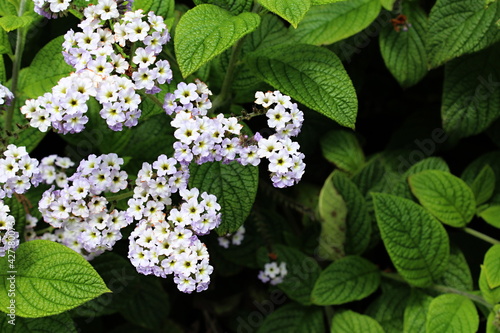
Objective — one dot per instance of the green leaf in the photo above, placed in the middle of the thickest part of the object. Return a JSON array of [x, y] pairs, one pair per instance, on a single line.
[[458, 27], [149, 305], [404, 51], [490, 294], [311, 75], [44, 286], [348, 279], [294, 318], [292, 11], [372, 174], [484, 185], [163, 8], [358, 222], [416, 242], [234, 185], [234, 6], [471, 93], [389, 308], [342, 148], [471, 172], [452, 313], [491, 215], [388, 4], [350, 321], [303, 271], [416, 312], [61, 323], [457, 275], [13, 22], [446, 196], [491, 266], [493, 322], [332, 211], [330, 23], [46, 69], [7, 8], [5, 47], [206, 31]]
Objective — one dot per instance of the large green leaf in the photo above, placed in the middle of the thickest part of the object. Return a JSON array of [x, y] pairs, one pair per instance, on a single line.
[[332, 211], [311, 75], [61, 323], [471, 92], [303, 271], [13, 22], [291, 10], [493, 160], [490, 294], [206, 31], [416, 312], [50, 278], [349, 279], [294, 318], [350, 321], [404, 51], [457, 27], [234, 185], [446, 196], [330, 23], [46, 69], [452, 313], [491, 266], [389, 308], [358, 222], [491, 215], [342, 148], [483, 185], [234, 6], [457, 275], [416, 242]]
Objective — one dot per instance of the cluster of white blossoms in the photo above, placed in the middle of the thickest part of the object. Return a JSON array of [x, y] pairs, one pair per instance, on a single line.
[[9, 238], [232, 239], [165, 240], [80, 210], [54, 8], [273, 273], [18, 171], [111, 65]]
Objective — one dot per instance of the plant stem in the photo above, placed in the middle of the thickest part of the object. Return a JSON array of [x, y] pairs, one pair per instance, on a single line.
[[121, 196], [224, 97], [16, 68], [480, 235], [442, 289]]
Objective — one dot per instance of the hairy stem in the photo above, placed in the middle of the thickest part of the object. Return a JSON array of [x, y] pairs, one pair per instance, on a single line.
[[443, 289], [16, 68]]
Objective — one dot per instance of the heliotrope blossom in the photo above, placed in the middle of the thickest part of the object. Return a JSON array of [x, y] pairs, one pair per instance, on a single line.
[[18, 171], [6, 96], [86, 221], [232, 239], [273, 273], [55, 8], [9, 238], [104, 71]]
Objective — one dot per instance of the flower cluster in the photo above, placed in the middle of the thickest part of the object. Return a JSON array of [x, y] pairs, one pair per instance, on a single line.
[[234, 239], [18, 171], [6, 96], [285, 161], [273, 273], [111, 66], [53, 169], [9, 238], [204, 139], [81, 212], [53, 8], [164, 244]]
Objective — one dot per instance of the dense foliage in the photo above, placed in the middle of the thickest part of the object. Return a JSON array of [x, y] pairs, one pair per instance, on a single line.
[[250, 166]]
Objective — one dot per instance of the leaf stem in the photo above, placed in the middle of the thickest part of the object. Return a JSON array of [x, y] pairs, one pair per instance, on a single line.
[[16, 67], [224, 97], [442, 289], [480, 235]]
